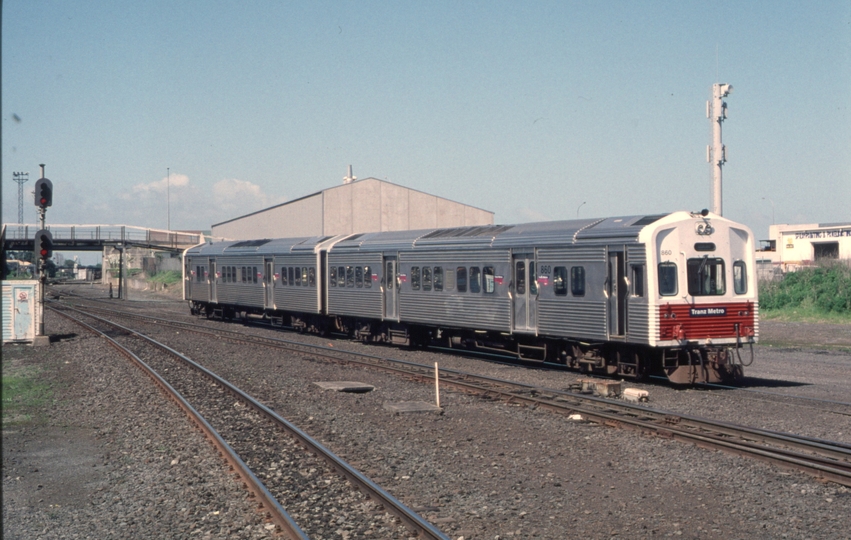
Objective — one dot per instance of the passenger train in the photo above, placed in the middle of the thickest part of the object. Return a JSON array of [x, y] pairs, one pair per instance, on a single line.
[[671, 294]]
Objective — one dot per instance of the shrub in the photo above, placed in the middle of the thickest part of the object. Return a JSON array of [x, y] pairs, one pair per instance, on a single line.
[[825, 288]]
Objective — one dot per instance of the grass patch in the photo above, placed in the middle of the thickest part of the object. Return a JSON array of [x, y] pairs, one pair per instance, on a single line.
[[803, 314], [22, 394], [169, 277]]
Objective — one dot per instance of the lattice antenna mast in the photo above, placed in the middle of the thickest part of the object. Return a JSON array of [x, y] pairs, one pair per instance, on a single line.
[[716, 154], [20, 178]]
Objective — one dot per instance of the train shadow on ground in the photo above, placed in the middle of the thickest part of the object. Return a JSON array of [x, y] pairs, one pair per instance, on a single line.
[[758, 382]]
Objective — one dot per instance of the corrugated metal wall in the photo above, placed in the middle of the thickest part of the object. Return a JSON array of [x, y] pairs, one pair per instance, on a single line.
[[368, 205]]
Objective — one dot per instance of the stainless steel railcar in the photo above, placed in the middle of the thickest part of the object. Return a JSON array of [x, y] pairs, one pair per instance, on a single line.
[[672, 294]]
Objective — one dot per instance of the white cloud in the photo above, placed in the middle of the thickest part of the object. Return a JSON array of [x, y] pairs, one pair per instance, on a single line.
[[189, 205], [174, 181]]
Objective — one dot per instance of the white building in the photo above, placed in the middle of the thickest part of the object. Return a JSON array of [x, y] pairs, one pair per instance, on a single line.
[[790, 247]]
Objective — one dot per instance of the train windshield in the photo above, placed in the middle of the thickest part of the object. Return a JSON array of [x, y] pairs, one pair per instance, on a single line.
[[706, 276]]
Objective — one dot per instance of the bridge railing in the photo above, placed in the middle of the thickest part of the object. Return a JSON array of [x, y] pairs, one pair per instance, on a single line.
[[106, 234]]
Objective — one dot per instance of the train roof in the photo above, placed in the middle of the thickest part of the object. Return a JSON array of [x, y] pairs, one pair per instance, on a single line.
[[264, 246], [620, 229], [614, 229]]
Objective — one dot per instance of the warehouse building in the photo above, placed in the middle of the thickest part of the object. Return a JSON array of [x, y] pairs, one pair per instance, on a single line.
[[791, 247], [368, 205]]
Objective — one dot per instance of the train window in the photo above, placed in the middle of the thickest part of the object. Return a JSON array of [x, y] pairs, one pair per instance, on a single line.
[[533, 278], [389, 278], [461, 279], [350, 277], [560, 280], [332, 276], [304, 281], [290, 274], [438, 278], [311, 277], [668, 279], [636, 279], [254, 273], [359, 277], [705, 276], [520, 277], [577, 280], [488, 279], [426, 278], [367, 277], [341, 276], [298, 276], [415, 278], [225, 274], [475, 279], [740, 277]]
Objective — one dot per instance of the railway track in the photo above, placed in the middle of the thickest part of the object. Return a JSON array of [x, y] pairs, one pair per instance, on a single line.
[[256, 442], [828, 460]]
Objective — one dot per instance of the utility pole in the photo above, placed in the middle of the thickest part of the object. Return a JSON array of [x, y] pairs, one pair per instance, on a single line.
[[21, 179], [168, 196], [716, 154]]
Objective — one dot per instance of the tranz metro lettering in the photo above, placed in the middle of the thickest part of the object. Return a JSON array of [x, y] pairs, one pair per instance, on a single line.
[[708, 312]]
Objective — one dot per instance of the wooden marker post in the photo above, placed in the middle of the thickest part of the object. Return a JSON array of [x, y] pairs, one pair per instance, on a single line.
[[436, 385]]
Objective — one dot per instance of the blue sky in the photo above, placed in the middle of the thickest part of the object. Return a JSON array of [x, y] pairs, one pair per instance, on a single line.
[[527, 109]]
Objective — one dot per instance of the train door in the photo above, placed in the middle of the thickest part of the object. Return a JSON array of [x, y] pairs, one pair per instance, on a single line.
[[269, 283], [391, 289], [188, 278], [525, 279], [211, 280], [616, 291]]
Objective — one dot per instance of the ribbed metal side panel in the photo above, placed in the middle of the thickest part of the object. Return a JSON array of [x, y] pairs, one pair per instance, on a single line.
[[354, 302], [636, 254], [476, 312], [253, 260], [460, 258], [569, 318], [226, 293], [307, 259], [356, 259], [638, 321], [574, 254], [240, 294], [297, 299]]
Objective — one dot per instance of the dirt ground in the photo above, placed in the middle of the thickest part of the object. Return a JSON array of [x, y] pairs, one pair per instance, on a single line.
[[51, 463], [804, 335]]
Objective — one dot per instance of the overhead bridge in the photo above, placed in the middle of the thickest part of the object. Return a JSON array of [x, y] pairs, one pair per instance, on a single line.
[[20, 237]]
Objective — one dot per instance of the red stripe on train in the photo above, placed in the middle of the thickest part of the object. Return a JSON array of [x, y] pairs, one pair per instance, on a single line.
[[702, 321]]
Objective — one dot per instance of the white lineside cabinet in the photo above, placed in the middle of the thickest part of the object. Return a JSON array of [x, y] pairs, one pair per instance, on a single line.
[[20, 310]]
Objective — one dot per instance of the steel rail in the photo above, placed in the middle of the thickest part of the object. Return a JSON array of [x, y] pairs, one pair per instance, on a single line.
[[414, 521], [832, 460], [273, 510]]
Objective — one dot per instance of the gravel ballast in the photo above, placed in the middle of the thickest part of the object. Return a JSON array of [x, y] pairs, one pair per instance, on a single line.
[[481, 469]]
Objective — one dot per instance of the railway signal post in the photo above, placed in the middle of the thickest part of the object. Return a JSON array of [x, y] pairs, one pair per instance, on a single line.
[[42, 249]]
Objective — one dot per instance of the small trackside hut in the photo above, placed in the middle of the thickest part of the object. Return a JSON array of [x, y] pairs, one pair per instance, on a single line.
[[671, 294]]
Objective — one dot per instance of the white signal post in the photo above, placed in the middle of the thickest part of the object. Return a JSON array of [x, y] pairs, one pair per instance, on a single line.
[[716, 154]]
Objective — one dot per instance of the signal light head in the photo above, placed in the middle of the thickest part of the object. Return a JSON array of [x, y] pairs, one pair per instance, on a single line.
[[43, 193]]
